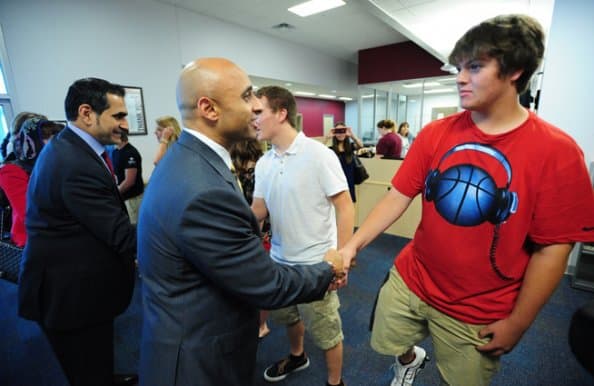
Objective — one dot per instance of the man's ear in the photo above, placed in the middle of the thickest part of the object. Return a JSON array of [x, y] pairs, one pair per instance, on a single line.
[[85, 114], [208, 109], [282, 115], [516, 75]]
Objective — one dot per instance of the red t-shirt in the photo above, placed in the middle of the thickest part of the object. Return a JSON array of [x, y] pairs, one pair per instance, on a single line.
[[460, 261], [14, 181], [390, 145]]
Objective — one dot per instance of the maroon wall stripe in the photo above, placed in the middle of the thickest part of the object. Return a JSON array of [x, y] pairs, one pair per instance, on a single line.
[[397, 62]]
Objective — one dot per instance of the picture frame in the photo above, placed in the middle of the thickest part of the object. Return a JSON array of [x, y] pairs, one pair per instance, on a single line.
[[136, 115]]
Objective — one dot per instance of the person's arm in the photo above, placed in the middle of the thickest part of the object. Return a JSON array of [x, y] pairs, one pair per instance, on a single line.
[[163, 144], [129, 179], [384, 214], [357, 141], [88, 196], [345, 216], [215, 235], [259, 209], [544, 272]]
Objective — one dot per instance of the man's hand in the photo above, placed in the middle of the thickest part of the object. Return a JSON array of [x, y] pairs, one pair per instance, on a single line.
[[336, 261], [505, 334]]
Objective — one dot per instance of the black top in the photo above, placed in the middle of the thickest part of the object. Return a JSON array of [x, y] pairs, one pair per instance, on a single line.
[[128, 158]]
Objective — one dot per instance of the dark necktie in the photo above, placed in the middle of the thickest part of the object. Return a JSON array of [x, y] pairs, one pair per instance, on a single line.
[[109, 164]]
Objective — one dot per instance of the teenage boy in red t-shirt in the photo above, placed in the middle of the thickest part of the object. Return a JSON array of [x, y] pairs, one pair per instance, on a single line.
[[505, 196]]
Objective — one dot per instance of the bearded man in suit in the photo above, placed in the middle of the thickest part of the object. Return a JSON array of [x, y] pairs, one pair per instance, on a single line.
[[77, 272]]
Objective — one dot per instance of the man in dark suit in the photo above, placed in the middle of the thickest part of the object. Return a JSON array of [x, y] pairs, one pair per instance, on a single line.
[[205, 272], [77, 272]]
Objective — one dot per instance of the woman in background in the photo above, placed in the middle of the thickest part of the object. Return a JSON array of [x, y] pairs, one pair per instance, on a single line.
[[389, 145], [167, 132], [6, 147], [406, 137], [14, 175], [244, 155], [345, 144]]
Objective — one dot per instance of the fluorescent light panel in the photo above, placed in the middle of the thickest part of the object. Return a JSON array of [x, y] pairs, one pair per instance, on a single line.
[[345, 99], [315, 6], [304, 93], [327, 96], [439, 90], [420, 84]]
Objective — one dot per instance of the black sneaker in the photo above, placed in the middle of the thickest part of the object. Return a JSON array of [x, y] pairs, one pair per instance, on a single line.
[[280, 370]]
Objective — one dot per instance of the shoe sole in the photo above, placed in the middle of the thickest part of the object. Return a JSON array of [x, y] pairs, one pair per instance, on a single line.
[[281, 377]]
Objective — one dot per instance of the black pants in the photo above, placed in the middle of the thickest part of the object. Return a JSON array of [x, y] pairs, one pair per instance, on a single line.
[[86, 355]]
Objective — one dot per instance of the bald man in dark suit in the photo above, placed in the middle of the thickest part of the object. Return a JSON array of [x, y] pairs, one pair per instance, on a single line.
[[204, 269]]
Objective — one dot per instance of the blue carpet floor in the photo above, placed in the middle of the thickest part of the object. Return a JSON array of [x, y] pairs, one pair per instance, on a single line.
[[542, 357]]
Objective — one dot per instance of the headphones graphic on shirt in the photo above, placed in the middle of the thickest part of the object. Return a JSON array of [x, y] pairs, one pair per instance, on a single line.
[[467, 195]]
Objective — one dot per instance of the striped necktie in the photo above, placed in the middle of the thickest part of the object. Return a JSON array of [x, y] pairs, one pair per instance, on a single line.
[[234, 172]]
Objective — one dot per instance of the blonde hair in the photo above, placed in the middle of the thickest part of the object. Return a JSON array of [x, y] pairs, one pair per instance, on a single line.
[[166, 121]]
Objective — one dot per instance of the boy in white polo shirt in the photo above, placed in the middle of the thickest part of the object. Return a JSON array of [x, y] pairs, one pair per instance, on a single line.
[[301, 185]]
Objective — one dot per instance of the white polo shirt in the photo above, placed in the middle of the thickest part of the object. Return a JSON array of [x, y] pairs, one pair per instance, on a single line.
[[297, 186]]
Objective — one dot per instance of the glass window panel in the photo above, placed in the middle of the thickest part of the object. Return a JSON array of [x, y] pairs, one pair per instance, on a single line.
[[3, 123], [367, 118], [2, 82]]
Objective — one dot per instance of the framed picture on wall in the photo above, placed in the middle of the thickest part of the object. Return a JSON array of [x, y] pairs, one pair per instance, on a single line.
[[136, 115]]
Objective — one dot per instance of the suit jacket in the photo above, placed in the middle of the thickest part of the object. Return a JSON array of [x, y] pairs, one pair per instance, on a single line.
[[78, 263], [206, 274]]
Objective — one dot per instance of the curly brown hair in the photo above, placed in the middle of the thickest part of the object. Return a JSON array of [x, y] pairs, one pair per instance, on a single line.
[[515, 41]]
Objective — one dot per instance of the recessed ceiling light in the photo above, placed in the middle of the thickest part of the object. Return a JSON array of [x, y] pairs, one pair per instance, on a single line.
[[288, 84], [315, 6], [367, 96], [345, 98], [304, 93], [327, 96]]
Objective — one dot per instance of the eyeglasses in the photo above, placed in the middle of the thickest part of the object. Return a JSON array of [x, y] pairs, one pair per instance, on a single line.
[[339, 131]]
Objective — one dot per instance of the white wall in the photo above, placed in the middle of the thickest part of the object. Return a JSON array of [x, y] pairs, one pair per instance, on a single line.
[[568, 76], [140, 43]]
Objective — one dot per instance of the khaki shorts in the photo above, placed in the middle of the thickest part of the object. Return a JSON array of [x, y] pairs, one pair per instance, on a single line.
[[321, 319], [402, 320], [133, 206]]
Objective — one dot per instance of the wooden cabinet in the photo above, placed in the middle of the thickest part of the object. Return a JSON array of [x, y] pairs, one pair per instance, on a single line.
[[375, 188]]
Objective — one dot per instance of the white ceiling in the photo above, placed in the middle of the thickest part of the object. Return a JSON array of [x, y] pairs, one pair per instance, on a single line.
[[339, 32], [434, 25]]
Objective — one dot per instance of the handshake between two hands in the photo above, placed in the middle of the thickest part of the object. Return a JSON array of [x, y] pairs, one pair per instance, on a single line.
[[340, 266]]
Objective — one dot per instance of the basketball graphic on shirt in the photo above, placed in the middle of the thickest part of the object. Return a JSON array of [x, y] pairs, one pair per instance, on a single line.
[[465, 195]]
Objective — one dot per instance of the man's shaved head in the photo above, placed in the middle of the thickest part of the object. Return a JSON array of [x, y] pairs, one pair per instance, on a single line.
[[214, 94]]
